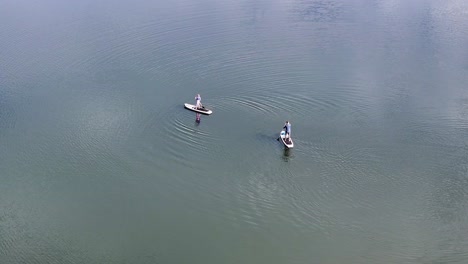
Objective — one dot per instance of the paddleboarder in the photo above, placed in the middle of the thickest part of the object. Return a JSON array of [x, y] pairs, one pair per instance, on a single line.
[[198, 105], [287, 128]]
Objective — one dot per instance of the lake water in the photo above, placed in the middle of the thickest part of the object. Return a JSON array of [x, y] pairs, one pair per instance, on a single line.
[[100, 162]]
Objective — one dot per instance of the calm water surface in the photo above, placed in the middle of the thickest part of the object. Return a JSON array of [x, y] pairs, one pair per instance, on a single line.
[[100, 162]]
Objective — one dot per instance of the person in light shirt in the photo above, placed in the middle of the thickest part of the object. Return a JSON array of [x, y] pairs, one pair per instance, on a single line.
[[198, 105], [287, 128]]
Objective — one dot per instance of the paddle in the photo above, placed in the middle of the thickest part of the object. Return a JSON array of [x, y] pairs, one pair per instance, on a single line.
[[278, 138]]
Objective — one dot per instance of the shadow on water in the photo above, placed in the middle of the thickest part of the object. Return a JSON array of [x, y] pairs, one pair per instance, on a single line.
[[286, 154], [197, 119]]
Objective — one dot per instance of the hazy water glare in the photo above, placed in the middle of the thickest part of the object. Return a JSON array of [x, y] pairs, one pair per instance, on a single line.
[[100, 162]]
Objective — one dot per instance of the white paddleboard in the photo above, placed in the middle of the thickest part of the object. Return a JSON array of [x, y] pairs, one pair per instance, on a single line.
[[287, 144], [201, 111]]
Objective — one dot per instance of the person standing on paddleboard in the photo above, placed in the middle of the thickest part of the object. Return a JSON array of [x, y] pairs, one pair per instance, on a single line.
[[198, 105], [287, 128]]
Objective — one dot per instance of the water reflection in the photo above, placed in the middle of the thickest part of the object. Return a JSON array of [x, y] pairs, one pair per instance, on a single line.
[[197, 119], [286, 154]]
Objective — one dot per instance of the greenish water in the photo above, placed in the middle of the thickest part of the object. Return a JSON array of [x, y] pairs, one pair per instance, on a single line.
[[100, 162]]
